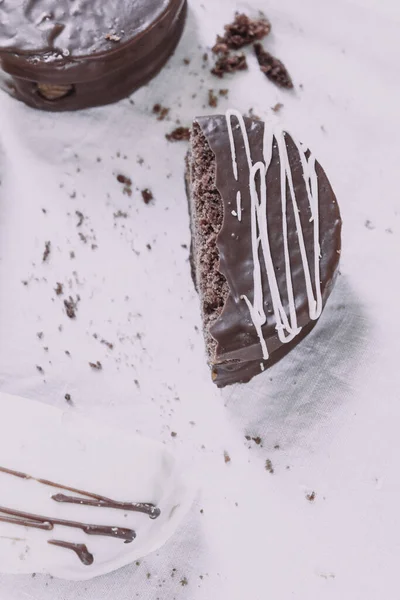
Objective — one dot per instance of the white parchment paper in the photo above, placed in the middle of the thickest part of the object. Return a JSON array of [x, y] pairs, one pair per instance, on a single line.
[[328, 415]]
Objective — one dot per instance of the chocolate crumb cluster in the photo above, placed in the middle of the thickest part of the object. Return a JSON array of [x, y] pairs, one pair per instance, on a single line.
[[179, 134], [242, 32]]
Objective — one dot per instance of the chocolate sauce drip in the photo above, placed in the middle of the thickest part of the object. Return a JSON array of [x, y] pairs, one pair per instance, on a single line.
[[80, 550], [142, 507], [94, 499], [17, 517]]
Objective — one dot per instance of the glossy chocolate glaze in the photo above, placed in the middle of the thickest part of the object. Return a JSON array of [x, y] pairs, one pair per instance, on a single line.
[[239, 354], [88, 57], [80, 550]]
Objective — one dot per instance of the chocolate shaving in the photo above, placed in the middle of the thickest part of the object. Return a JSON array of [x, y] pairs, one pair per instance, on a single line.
[[273, 68]]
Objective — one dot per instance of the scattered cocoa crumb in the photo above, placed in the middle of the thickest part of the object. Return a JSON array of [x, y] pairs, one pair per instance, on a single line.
[[205, 57], [112, 37], [97, 366], [147, 195], [127, 183], [59, 289], [109, 345], [40, 369], [67, 352], [277, 107], [227, 458], [311, 497], [186, 61], [82, 237], [94, 246], [184, 246], [68, 398], [268, 466], [183, 581], [212, 99], [257, 440], [123, 179], [253, 116], [368, 224], [44, 211], [277, 447], [229, 64], [71, 306], [148, 575], [273, 68], [242, 32], [40, 335], [46, 252], [81, 217], [148, 246], [161, 111], [224, 92], [179, 134], [72, 254], [120, 215]]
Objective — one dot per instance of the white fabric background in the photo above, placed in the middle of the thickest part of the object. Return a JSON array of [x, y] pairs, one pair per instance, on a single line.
[[332, 406]]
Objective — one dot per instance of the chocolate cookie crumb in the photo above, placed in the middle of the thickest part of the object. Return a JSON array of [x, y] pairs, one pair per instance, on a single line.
[[46, 252], [227, 458], [273, 68], [268, 466], [224, 92], [311, 497], [183, 581], [71, 307], [212, 99], [109, 345], [173, 434], [242, 32], [147, 195], [277, 107], [97, 366], [40, 369], [40, 335], [161, 111], [59, 289], [68, 398], [229, 64], [179, 134], [127, 183], [186, 61]]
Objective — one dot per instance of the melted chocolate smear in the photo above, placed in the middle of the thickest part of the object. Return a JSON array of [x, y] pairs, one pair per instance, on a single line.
[[37, 521], [95, 499], [80, 550]]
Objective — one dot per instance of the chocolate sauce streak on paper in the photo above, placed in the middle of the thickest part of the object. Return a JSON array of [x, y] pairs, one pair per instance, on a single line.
[[80, 550], [17, 517], [142, 507], [95, 499]]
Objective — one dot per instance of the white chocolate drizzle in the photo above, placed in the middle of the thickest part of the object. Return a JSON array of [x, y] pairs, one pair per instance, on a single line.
[[286, 324]]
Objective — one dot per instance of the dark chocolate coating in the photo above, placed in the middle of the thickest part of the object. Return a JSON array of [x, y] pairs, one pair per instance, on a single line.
[[91, 52], [239, 354]]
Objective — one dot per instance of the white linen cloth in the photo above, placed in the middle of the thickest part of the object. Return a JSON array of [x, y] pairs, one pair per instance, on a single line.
[[328, 414]]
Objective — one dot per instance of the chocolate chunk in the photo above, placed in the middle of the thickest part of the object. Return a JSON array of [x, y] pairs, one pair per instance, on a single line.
[[265, 259], [273, 68], [147, 196], [242, 32], [229, 64], [179, 134], [60, 55]]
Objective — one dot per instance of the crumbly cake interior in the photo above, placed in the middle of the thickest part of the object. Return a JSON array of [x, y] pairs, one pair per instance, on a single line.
[[206, 211]]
